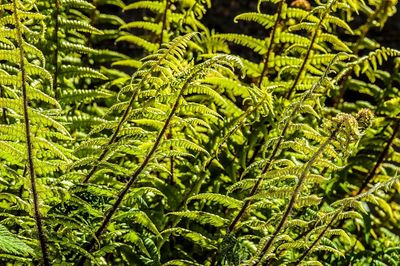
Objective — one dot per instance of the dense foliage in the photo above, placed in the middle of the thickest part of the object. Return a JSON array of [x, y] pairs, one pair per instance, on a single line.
[[133, 134]]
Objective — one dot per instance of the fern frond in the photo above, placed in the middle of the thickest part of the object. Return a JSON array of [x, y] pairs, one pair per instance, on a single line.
[[218, 198], [255, 44], [202, 217], [82, 72], [267, 21], [81, 4], [77, 25], [195, 237], [11, 244], [149, 5], [140, 218], [150, 26]]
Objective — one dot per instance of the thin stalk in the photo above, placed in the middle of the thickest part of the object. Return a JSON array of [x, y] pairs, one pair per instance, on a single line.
[[4, 110], [112, 139], [254, 189], [271, 42], [365, 183], [194, 190], [364, 31], [164, 21], [329, 225], [255, 154], [296, 192], [266, 168], [308, 53], [368, 25], [125, 115], [266, 60], [57, 42], [380, 158], [171, 162], [240, 121], [136, 174], [31, 167], [182, 206], [316, 241]]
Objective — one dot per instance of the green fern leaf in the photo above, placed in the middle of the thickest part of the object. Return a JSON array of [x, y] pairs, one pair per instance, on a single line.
[[10, 243], [79, 26], [202, 217], [267, 21], [218, 198]]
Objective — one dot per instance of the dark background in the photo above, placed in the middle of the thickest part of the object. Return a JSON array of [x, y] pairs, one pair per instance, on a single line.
[[220, 17]]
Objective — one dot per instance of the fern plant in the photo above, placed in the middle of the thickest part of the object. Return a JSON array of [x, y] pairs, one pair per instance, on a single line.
[[168, 55], [29, 130], [132, 135]]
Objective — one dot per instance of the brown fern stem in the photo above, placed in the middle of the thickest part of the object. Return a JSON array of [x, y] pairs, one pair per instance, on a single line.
[[295, 194], [4, 110], [112, 139], [307, 56], [135, 175], [266, 168], [171, 161], [364, 31], [164, 21], [31, 167], [122, 120], [316, 241], [381, 157], [254, 189], [265, 62], [271, 43], [57, 48], [196, 187], [364, 185]]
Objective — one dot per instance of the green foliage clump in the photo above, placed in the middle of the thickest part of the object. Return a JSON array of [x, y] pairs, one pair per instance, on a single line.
[[132, 134]]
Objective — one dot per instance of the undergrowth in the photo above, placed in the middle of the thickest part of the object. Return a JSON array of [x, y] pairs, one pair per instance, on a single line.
[[131, 134]]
